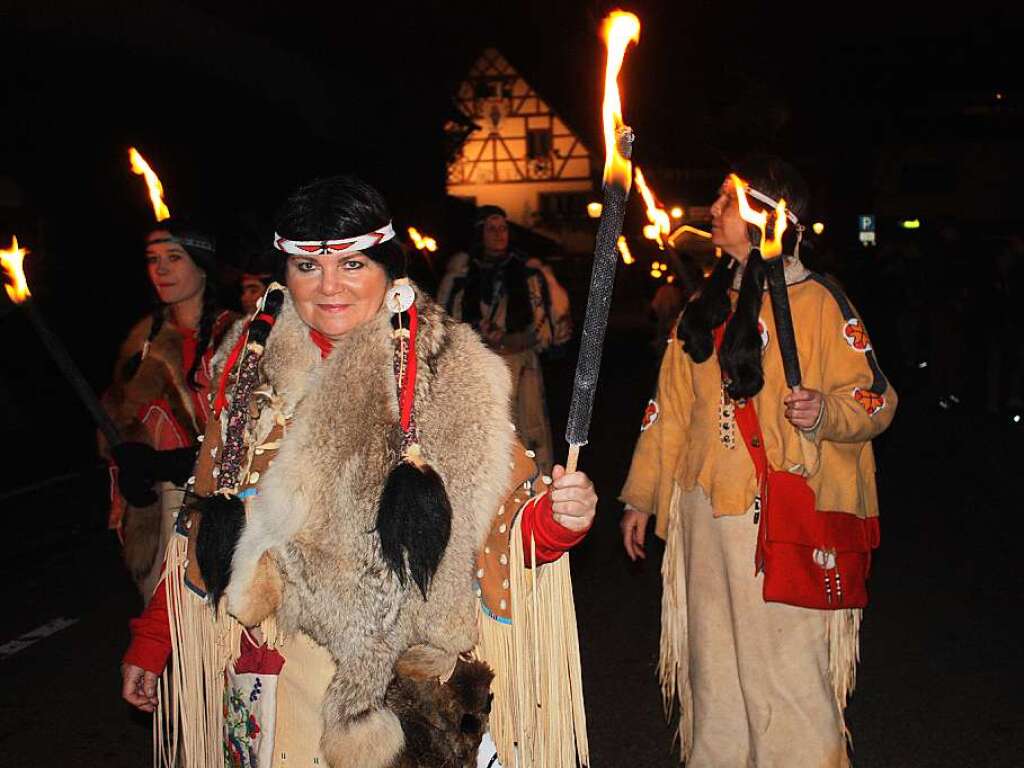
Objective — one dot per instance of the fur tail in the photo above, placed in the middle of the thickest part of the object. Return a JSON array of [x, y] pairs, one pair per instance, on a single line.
[[443, 723], [373, 739], [414, 521], [223, 518], [141, 541]]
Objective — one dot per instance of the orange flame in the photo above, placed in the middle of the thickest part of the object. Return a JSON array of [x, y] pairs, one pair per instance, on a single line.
[[772, 248], [156, 190], [694, 230], [422, 242], [618, 30], [12, 259], [627, 256], [661, 223]]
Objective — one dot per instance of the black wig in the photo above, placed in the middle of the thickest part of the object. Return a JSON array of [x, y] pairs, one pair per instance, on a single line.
[[336, 208]]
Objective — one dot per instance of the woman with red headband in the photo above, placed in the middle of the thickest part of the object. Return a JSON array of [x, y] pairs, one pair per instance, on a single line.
[[361, 505], [159, 393]]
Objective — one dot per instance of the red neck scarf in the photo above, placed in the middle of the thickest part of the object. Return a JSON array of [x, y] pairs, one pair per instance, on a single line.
[[325, 344]]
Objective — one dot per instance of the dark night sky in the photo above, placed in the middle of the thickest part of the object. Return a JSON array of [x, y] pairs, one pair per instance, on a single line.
[[235, 102]]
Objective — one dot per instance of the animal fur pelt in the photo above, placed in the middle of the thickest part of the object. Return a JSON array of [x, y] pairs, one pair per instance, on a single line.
[[141, 532], [317, 507], [158, 377], [442, 724], [222, 522]]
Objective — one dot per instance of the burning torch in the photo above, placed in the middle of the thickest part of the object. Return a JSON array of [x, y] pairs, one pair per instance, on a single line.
[[659, 223], [619, 29], [17, 289], [156, 189], [771, 252]]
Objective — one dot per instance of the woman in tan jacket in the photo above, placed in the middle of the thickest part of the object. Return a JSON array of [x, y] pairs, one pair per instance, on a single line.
[[757, 683]]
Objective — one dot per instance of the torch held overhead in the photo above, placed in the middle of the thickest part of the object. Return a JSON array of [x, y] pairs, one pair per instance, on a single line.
[[620, 28]]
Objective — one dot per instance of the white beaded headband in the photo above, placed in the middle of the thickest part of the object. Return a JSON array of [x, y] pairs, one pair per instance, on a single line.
[[773, 204], [329, 247]]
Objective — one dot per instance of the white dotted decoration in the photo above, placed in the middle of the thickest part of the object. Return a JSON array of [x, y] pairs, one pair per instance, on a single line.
[[503, 605], [480, 573], [503, 559], [546, 479], [254, 477], [502, 528], [532, 454]]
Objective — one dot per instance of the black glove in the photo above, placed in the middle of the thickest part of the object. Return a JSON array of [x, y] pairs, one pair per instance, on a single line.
[[140, 467]]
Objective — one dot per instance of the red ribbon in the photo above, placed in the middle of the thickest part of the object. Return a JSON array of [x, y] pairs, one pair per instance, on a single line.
[[409, 384], [222, 387]]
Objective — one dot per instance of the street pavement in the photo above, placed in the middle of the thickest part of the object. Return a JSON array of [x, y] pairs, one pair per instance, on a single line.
[[940, 652]]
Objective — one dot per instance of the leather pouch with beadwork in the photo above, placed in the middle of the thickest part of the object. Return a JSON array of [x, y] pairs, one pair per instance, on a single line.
[[811, 558]]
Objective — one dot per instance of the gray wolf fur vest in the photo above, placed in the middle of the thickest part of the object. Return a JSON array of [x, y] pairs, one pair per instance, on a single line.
[[309, 551]]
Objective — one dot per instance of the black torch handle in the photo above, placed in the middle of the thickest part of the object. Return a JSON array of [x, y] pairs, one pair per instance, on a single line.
[[595, 323], [74, 376], [775, 271]]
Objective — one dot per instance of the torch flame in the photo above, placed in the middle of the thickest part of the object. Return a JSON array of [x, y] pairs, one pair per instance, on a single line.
[[156, 190], [661, 223], [694, 231], [772, 248], [627, 257], [12, 259], [422, 242], [619, 29]]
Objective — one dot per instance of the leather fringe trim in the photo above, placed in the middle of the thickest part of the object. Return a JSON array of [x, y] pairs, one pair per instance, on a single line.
[[538, 719], [843, 628], [188, 728], [674, 653]]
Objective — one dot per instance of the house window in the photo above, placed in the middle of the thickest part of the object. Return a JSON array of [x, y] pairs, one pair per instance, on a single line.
[[538, 143], [563, 206]]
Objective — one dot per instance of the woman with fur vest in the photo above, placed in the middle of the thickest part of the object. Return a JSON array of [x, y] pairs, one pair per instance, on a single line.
[[158, 397], [361, 503]]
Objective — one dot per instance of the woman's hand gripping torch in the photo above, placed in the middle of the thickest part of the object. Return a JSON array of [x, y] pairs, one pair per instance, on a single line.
[[619, 29]]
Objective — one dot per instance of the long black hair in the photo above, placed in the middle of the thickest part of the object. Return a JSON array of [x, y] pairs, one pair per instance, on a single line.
[[740, 355], [338, 207]]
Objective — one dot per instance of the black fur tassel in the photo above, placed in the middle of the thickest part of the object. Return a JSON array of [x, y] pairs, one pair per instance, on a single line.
[[219, 529], [414, 521]]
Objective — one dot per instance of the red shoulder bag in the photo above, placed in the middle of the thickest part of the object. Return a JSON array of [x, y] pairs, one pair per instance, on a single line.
[[810, 558]]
